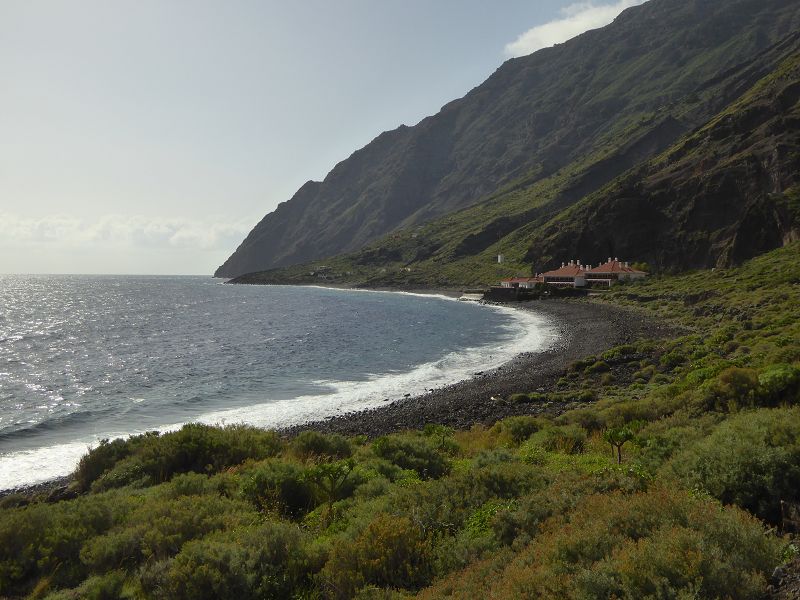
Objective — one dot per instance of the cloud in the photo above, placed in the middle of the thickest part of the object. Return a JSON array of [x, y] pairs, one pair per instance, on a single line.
[[123, 231], [575, 19]]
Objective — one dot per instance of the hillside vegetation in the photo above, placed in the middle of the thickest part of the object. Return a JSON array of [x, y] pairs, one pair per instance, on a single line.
[[719, 195], [540, 134], [667, 486]]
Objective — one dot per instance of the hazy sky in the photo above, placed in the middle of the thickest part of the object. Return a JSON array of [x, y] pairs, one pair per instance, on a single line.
[[149, 136]]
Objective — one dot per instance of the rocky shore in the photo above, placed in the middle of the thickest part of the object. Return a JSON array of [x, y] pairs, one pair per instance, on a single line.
[[584, 328]]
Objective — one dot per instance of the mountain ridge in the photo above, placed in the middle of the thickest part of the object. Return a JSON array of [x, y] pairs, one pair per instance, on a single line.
[[532, 117], [720, 194]]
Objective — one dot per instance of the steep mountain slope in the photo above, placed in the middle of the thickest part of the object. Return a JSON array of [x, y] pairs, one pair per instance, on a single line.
[[723, 193], [533, 117]]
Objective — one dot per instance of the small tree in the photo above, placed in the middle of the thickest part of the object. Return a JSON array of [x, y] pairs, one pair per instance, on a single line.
[[618, 437], [328, 478], [439, 432]]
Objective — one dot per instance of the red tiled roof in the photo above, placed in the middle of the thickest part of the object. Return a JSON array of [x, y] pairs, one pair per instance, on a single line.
[[566, 271], [614, 266]]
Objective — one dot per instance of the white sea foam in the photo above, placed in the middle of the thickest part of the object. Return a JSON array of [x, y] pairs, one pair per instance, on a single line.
[[528, 332]]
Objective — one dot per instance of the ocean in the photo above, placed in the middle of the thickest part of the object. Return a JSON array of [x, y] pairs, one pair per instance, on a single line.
[[84, 358]]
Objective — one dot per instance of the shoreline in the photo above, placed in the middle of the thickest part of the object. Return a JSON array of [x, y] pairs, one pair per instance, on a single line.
[[583, 328]]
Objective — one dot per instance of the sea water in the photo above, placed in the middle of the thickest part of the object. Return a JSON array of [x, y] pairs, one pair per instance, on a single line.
[[84, 358]]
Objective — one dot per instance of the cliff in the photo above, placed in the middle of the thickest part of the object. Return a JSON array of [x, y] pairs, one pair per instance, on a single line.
[[645, 77]]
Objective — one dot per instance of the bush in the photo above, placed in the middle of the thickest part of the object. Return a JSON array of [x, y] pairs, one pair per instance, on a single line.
[[590, 420], [159, 527], [190, 484], [268, 561], [276, 485], [391, 552], [515, 430], [657, 544], [14, 501], [152, 458], [779, 383], [751, 460], [310, 444], [645, 374], [672, 359], [99, 460], [496, 456], [532, 454], [600, 366], [103, 587], [519, 398], [412, 453], [733, 389], [45, 540], [579, 366], [569, 439]]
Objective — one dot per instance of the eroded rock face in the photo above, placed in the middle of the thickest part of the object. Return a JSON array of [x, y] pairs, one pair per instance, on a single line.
[[726, 193], [532, 117]]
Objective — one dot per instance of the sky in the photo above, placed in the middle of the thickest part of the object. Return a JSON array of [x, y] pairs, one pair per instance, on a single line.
[[150, 136]]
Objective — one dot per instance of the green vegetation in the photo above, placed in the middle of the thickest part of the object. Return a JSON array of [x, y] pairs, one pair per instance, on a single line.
[[530, 507]]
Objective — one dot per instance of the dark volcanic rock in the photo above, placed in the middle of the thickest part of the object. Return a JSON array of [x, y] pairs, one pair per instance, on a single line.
[[785, 583]]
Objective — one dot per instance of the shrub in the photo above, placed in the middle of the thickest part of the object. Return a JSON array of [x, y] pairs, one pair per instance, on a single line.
[[532, 453], [329, 480], [600, 366], [779, 383], [503, 480], [645, 374], [203, 448], [268, 561], [190, 484], [14, 501], [152, 458], [412, 453], [751, 460], [672, 359], [590, 420], [496, 456], [390, 552], [159, 527], [103, 587], [515, 430], [579, 366], [99, 460], [569, 439], [657, 544], [45, 540], [732, 389], [618, 352], [309, 444], [518, 398], [276, 485]]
